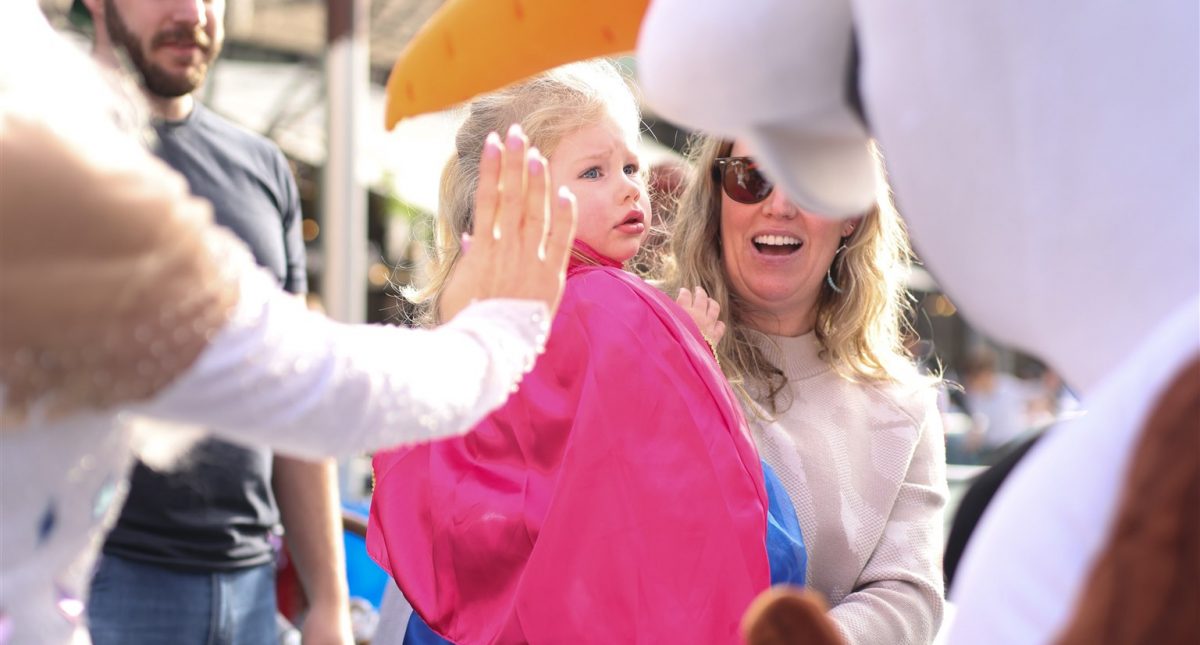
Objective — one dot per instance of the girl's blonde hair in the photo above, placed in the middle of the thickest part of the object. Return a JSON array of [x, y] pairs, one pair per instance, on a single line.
[[860, 329], [548, 107]]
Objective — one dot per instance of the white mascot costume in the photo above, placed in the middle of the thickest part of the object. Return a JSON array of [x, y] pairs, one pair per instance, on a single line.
[[1046, 158]]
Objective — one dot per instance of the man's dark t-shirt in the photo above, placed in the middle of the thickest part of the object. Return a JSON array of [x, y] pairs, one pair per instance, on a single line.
[[216, 510]]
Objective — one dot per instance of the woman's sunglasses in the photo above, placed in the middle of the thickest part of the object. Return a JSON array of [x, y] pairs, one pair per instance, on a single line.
[[740, 179]]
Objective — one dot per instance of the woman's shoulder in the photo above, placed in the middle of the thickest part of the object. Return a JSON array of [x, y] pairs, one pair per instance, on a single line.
[[913, 400], [884, 400]]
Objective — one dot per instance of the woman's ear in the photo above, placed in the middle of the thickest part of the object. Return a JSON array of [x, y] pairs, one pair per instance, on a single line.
[[850, 225]]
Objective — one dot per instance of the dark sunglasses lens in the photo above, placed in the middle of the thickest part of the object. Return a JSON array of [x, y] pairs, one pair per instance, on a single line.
[[744, 183]]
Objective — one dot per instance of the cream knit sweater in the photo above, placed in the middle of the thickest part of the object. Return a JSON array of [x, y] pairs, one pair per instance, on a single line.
[[865, 467]]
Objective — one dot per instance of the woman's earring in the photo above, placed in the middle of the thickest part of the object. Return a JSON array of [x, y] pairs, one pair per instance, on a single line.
[[829, 271]]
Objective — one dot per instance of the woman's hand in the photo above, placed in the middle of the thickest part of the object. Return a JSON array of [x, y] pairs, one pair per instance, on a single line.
[[705, 311], [522, 235]]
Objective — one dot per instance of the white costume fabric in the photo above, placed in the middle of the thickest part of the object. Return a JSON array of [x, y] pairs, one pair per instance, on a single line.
[[276, 375], [1044, 157], [1054, 561], [129, 299]]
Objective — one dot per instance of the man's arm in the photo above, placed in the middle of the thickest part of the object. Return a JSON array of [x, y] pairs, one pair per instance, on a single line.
[[307, 493]]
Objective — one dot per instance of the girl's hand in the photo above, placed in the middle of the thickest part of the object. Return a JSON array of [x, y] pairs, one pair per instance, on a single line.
[[705, 311], [522, 234]]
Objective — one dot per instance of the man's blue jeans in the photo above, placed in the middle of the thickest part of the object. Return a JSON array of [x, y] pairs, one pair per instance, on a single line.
[[133, 603]]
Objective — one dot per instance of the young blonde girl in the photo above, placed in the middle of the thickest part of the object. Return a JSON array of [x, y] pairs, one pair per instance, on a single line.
[[617, 496]]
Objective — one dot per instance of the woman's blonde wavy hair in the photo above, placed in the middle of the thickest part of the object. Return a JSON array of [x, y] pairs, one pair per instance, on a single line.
[[548, 107], [860, 329]]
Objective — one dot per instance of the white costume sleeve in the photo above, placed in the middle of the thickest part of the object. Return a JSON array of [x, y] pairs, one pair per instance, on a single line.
[[303, 384], [175, 320]]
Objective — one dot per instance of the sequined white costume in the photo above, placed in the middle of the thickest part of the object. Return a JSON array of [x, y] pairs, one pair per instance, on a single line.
[[275, 375], [122, 301]]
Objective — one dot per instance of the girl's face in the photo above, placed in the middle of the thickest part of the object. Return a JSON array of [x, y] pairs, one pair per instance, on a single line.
[[599, 164]]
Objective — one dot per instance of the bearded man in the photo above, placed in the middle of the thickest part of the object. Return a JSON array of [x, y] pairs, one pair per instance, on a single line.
[[189, 560]]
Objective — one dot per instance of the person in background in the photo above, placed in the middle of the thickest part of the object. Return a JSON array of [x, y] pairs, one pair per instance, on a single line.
[[1000, 405], [813, 310], [190, 558]]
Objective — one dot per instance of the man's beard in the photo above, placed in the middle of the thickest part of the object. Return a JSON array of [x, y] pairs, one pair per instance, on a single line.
[[159, 81]]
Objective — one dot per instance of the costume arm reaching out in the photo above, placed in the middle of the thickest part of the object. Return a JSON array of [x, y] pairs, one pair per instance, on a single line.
[[308, 386], [173, 320]]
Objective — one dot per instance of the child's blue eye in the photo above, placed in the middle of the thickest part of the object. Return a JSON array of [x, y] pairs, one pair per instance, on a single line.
[[632, 169], [590, 173]]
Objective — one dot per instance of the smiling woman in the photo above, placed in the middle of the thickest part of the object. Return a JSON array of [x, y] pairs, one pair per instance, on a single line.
[[813, 309], [775, 255]]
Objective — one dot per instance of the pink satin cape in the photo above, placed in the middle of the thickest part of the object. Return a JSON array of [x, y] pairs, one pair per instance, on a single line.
[[616, 497]]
